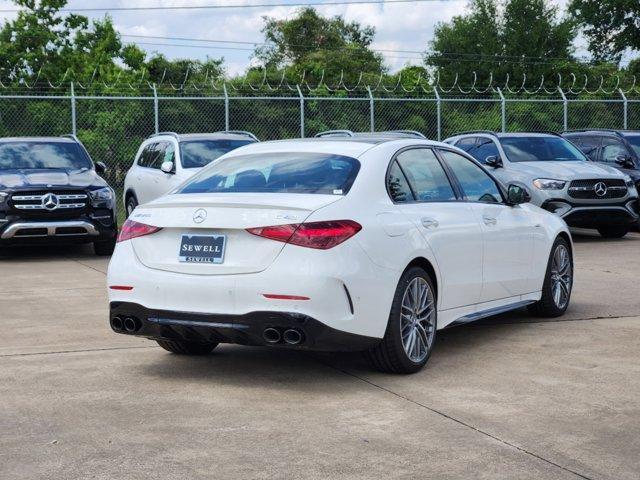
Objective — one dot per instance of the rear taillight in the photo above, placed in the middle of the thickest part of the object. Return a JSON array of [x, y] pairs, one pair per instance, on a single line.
[[320, 235], [132, 229]]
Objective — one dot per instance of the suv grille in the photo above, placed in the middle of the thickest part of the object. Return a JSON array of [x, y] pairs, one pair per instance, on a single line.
[[48, 200], [598, 189]]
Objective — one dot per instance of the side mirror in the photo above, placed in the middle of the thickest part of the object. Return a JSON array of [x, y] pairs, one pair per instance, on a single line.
[[101, 168], [167, 167], [493, 161], [625, 161], [517, 195]]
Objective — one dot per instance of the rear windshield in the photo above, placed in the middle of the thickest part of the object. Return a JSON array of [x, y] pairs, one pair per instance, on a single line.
[[540, 149], [36, 155], [198, 153], [277, 173]]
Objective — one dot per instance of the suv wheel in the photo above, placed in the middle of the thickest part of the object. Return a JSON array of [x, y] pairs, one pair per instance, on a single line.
[[411, 330], [558, 282], [187, 348], [132, 203], [613, 232], [103, 249]]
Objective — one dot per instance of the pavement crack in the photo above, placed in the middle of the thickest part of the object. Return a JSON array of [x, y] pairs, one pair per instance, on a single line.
[[62, 352], [458, 421]]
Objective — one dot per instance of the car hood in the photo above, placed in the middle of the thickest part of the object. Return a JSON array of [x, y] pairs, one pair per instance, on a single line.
[[47, 178], [567, 170]]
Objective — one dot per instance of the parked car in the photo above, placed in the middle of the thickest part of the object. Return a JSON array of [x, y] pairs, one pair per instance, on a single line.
[[615, 148], [51, 192], [165, 160], [561, 180], [336, 244]]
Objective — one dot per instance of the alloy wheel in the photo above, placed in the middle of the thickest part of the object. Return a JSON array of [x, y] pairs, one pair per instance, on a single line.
[[561, 276], [417, 319]]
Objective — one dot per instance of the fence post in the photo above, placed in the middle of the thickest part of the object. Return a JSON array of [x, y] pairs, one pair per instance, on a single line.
[[372, 115], [625, 109], [301, 111], [74, 129], [565, 109], [226, 107], [438, 112], [503, 110], [156, 116]]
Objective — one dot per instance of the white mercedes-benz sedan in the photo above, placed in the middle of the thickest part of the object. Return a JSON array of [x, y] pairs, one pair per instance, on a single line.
[[370, 243]]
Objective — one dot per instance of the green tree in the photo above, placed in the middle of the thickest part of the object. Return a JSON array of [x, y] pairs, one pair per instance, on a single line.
[[612, 26], [495, 40]]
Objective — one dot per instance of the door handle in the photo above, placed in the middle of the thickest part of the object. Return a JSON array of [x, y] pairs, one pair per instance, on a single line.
[[429, 223], [489, 220]]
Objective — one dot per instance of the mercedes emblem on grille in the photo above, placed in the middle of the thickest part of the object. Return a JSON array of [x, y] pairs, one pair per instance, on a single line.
[[50, 201], [200, 215], [600, 188]]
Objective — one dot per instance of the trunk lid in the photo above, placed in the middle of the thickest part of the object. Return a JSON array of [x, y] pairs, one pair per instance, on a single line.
[[228, 215]]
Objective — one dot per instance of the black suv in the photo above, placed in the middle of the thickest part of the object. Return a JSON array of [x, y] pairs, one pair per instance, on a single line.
[[50, 191], [616, 148]]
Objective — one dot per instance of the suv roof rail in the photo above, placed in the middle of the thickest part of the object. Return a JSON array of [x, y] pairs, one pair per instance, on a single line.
[[469, 132], [583, 130], [171, 134], [413, 133], [71, 136], [239, 132], [335, 133]]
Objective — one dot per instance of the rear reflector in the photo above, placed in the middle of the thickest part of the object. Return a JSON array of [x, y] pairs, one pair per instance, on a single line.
[[120, 287], [132, 229], [274, 296], [320, 235]]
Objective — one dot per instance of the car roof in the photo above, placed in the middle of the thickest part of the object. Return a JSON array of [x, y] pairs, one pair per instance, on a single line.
[[499, 135], [602, 131], [38, 139], [185, 137]]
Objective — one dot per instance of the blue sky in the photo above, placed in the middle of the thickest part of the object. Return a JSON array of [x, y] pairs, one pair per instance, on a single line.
[[402, 26]]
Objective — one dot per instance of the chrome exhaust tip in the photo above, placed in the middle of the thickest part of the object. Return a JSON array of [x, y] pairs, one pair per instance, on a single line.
[[271, 335], [130, 324], [292, 336], [116, 324]]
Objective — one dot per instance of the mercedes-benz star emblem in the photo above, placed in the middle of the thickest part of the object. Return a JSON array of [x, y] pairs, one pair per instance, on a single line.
[[600, 188], [50, 201], [200, 215]]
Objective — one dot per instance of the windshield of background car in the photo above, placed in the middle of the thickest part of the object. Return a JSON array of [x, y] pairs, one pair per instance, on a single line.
[[540, 149], [36, 155], [199, 153], [277, 172], [634, 141]]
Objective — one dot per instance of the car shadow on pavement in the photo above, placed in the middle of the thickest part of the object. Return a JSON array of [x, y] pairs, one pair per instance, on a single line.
[[45, 252]]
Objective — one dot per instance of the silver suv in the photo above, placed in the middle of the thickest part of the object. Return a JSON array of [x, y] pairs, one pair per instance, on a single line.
[[559, 178]]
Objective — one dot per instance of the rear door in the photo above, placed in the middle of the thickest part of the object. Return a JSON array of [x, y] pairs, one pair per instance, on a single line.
[[421, 189], [507, 232]]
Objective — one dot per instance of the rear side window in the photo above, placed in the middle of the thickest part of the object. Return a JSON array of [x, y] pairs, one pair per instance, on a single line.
[[476, 184], [301, 172], [398, 186], [199, 153], [425, 175]]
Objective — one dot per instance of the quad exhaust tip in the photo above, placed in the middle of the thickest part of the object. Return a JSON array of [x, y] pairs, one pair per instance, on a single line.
[[131, 324], [116, 324], [292, 336], [271, 335]]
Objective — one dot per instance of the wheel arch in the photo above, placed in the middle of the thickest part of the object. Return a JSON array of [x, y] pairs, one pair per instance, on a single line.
[[428, 267], [567, 237]]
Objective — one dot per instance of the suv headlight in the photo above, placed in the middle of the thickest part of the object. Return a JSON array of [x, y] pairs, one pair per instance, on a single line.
[[549, 184], [101, 196]]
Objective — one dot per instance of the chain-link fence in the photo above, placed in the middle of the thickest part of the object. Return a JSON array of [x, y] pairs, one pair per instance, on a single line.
[[112, 127]]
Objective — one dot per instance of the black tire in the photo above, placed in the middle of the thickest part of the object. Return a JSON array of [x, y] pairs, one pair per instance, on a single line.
[[131, 205], [390, 354], [104, 249], [547, 305], [187, 348], [614, 232]]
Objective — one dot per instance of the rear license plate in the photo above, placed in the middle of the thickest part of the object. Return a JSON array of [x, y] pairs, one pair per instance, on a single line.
[[202, 248]]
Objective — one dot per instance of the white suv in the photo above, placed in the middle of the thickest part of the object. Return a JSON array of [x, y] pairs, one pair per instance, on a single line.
[[167, 159]]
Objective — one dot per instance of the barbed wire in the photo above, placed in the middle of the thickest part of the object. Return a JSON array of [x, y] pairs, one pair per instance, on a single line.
[[279, 81]]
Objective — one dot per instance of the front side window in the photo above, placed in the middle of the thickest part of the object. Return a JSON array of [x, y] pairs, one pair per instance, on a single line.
[[540, 149], [485, 148], [612, 148], [634, 141], [278, 172], [425, 175], [467, 143], [199, 153], [476, 184], [588, 146], [43, 155]]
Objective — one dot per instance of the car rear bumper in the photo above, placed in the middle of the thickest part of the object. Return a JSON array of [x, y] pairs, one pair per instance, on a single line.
[[247, 329]]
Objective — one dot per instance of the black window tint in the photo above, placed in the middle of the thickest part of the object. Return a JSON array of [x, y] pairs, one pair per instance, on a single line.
[[587, 145], [613, 148], [146, 155], [467, 143], [425, 175], [476, 184], [152, 155], [485, 148], [397, 185]]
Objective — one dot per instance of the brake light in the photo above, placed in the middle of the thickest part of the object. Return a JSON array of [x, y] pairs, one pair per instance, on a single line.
[[132, 229], [320, 235]]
